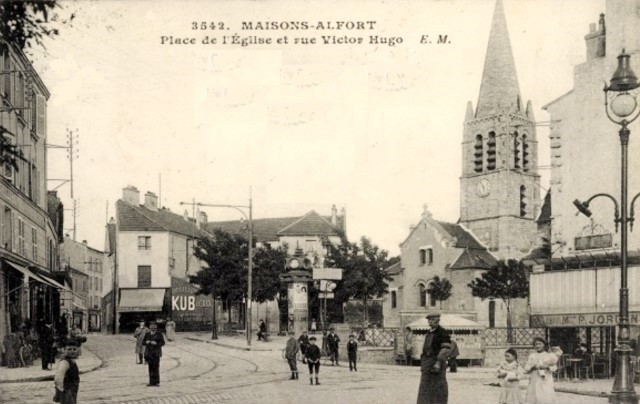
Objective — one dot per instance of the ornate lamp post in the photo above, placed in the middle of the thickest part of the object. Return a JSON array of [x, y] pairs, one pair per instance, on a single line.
[[622, 108]]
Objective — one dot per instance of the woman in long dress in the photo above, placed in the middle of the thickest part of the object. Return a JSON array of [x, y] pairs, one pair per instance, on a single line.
[[540, 366], [170, 328]]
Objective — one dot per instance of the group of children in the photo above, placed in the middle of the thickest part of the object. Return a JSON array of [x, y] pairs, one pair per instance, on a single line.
[[311, 354], [540, 366]]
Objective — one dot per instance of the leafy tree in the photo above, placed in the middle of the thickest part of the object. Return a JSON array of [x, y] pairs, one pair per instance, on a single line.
[[363, 277], [26, 22], [9, 153], [268, 264], [440, 289], [505, 281]]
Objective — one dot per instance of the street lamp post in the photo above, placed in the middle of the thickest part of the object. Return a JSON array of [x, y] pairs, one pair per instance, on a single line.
[[249, 218], [622, 108]]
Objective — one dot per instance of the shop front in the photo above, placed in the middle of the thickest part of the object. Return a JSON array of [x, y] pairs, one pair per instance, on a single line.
[[137, 305]]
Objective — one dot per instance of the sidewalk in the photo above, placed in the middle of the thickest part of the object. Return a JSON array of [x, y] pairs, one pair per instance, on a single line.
[[275, 343], [87, 362]]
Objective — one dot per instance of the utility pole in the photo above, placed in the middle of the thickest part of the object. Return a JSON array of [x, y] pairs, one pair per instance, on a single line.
[[72, 154]]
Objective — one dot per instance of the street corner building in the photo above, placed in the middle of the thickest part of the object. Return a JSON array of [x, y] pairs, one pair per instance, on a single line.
[[30, 217]]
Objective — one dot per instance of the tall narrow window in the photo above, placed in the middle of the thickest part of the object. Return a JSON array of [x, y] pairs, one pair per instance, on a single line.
[[491, 151], [432, 299], [34, 244], [21, 243], [423, 295], [516, 151], [525, 153], [422, 256], [492, 313], [144, 276], [478, 154], [7, 229], [394, 299], [523, 201]]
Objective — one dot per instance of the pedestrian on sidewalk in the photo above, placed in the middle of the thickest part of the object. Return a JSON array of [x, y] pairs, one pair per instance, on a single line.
[[139, 334], [352, 352], [153, 342], [67, 378], [46, 345], [303, 340], [291, 354], [509, 372], [435, 351], [313, 360], [170, 327], [262, 331], [332, 346]]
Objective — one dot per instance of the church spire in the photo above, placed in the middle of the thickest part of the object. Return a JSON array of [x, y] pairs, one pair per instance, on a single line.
[[499, 88]]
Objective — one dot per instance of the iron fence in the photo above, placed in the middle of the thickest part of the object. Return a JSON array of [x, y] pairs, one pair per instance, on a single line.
[[375, 337], [518, 336]]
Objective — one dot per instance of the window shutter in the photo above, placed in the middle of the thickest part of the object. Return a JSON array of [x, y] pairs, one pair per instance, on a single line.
[[41, 116]]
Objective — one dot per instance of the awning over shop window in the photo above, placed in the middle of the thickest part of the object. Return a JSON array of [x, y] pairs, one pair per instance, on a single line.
[[141, 299], [78, 306], [49, 280], [27, 272]]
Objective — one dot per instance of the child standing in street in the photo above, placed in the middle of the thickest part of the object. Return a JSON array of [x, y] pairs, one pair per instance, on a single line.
[[313, 360], [509, 372], [291, 353], [352, 351]]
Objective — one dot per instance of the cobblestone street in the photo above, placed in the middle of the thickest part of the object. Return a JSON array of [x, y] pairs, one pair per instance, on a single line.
[[196, 372]]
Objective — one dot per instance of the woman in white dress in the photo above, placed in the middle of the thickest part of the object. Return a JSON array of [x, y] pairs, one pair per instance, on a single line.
[[540, 367]]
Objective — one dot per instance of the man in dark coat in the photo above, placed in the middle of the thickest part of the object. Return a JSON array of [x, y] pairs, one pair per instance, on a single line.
[[352, 352], [435, 351], [332, 346], [46, 345], [291, 354], [153, 342], [303, 340], [67, 379]]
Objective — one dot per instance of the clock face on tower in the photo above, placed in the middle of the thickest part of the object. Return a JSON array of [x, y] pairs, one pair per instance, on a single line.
[[483, 188]]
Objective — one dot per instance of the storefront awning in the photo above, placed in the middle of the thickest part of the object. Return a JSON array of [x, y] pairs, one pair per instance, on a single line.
[[52, 282], [78, 306], [141, 299], [447, 321], [27, 272]]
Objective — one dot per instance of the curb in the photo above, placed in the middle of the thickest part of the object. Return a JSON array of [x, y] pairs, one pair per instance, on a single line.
[[230, 346], [568, 390], [50, 377]]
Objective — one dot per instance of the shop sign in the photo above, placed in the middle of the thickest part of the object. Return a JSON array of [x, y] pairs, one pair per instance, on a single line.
[[580, 320]]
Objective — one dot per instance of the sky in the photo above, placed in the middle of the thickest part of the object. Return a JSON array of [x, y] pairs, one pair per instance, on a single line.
[[373, 128]]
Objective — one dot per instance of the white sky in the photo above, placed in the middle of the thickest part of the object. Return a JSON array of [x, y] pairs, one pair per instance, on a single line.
[[375, 129]]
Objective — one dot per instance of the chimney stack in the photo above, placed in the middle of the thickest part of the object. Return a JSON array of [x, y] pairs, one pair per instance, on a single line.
[[596, 40], [334, 215], [151, 201], [131, 195], [202, 218]]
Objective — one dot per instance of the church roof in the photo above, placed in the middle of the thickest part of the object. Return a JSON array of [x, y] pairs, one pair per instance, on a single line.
[[140, 218], [464, 238], [310, 224], [474, 258], [545, 211], [499, 87]]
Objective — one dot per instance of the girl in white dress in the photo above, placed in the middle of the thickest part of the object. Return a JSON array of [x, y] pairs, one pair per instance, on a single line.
[[509, 371]]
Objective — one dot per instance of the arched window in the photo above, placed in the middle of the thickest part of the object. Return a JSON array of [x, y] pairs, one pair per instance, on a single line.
[[394, 299], [423, 295], [432, 300], [491, 151], [516, 151], [525, 153], [478, 154]]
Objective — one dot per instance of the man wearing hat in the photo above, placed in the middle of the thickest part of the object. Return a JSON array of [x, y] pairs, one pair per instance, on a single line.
[[435, 351], [332, 346], [153, 342], [67, 379]]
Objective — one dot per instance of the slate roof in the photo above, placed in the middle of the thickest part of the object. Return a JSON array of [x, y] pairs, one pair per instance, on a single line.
[[271, 229], [464, 239], [310, 224], [140, 218], [545, 211], [394, 269], [474, 258]]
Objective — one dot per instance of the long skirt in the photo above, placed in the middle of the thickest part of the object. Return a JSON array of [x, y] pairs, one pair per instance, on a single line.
[[540, 390], [433, 386]]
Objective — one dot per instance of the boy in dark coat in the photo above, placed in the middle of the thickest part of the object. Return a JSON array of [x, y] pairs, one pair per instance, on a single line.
[[313, 360], [67, 379], [332, 346], [153, 342], [291, 353], [352, 351]]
